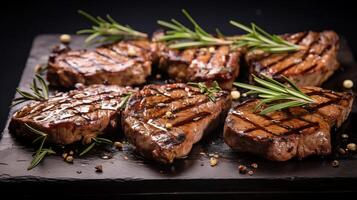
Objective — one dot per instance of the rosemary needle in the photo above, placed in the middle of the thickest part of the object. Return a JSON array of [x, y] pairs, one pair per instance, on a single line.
[[107, 30], [275, 95], [179, 37], [209, 91]]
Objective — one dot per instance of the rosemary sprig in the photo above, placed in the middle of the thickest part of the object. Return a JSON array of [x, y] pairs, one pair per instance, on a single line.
[[96, 141], [40, 152], [180, 37], [257, 38], [209, 91], [124, 101], [39, 91], [107, 30], [275, 95]]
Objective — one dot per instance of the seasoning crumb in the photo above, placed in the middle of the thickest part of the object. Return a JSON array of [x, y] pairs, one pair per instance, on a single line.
[[168, 125], [335, 163], [344, 136], [65, 38], [250, 172], [202, 164], [235, 95], [64, 155], [69, 159], [126, 157], [203, 153], [79, 172], [158, 76], [168, 114], [71, 153], [244, 95], [254, 165], [99, 168], [351, 147], [118, 145], [348, 84], [242, 169], [213, 161]]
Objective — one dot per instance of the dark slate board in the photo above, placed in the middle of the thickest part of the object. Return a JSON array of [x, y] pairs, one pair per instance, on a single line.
[[128, 174]]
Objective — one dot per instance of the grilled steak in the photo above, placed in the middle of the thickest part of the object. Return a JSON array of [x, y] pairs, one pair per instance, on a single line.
[[308, 67], [294, 132], [164, 121], [73, 116], [124, 63], [202, 64]]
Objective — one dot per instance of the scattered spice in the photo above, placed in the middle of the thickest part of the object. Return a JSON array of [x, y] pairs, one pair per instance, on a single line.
[[254, 165], [118, 145], [235, 94], [168, 125], [65, 38], [79, 172], [351, 147], [158, 76], [250, 172], [168, 114], [64, 155], [99, 169], [126, 157], [71, 153], [344, 136], [203, 153], [213, 161], [335, 163], [242, 169], [69, 159], [348, 84]]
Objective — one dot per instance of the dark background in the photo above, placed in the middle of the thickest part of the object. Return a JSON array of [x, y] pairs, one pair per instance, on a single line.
[[22, 21]]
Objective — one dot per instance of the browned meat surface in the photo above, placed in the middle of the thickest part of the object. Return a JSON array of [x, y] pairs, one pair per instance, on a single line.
[[73, 116], [202, 64], [294, 132], [308, 67], [164, 121], [124, 63]]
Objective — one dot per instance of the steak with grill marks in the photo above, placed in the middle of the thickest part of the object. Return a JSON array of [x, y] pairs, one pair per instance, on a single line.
[[164, 121], [310, 66], [294, 132], [201, 64], [123, 63], [73, 116]]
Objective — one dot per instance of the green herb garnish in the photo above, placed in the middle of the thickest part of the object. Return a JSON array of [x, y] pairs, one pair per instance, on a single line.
[[257, 38], [275, 95], [209, 91], [179, 37], [182, 37], [41, 152], [107, 30], [96, 141], [39, 91]]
